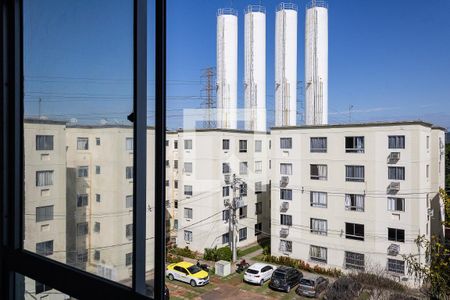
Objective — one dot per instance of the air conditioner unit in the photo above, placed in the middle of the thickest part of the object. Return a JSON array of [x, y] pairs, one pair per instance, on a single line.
[[284, 181], [239, 202], [393, 250], [394, 187], [227, 179], [226, 202], [394, 156], [284, 232], [284, 206]]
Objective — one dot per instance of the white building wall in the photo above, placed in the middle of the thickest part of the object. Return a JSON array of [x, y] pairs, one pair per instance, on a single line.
[[286, 65], [255, 68], [227, 62], [316, 64]]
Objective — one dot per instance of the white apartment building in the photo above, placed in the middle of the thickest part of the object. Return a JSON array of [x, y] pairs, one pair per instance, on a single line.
[[356, 196], [207, 160]]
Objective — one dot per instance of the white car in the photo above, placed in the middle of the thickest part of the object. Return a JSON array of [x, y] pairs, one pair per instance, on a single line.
[[259, 273]]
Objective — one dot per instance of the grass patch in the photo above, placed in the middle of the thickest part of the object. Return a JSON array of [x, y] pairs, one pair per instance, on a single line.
[[249, 250]]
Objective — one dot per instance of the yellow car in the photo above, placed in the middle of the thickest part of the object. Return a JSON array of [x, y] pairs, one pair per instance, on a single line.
[[187, 272]]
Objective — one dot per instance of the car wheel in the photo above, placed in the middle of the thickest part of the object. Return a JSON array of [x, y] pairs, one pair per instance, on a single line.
[[170, 277], [261, 283], [193, 284]]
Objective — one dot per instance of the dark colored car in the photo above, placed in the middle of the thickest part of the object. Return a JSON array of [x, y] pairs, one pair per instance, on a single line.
[[285, 278], [151, 290], [312, 287]]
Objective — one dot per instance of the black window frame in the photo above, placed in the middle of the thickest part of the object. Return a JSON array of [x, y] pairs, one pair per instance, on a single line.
[[352, 235], [16, 262], [396, 235]]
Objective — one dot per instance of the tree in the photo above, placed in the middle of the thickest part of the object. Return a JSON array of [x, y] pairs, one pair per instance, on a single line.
[[435, 271]]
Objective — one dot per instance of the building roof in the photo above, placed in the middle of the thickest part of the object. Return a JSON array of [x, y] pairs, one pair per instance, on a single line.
[[43, 121]]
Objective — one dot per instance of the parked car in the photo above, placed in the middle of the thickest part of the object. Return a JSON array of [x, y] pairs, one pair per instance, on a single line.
[[312, 287], [187, 272], [258, 273], [285, 278], [151, 290]]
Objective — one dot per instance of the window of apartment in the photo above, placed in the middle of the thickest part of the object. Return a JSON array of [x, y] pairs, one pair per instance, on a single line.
[[175, 144], [319, 172], [225, 238], [187, 236], [428, 142], [285, 143], [354, 202], [96, 255], [396, 173], [128, 259], [44, 248], [167, 143], [286, 220], [175, 164], [44, 142], [428, 171], [188, 190], [97, 227], [285, 169], [243, 234], [318, 145], [396, 266], [258, 187], [354, 173], [44, 213], [318, 226], [243, 189], [258, 208], [97, 170], [82, 200], [285, 246], [226, 168], [188, 213], [175, 203], [129, 172], [129, 201], [83, 171], [285, 194], [129, 231], [396, 142], [44, 178], [354, 231], [354, 144], [97, 141], [258, 146], [129, 144], [82, 143], [318, 199], [243, 168], [243, 212], [167, 183], [98, 197], [175, 184], [396, 235], [188, 144], [167, 163], [82, 228], [395, 204], [242, 145], [354, 261], [317, 253], [225, 144], [187, 167], [258, 167], [82, 256], [175, 224], [258, 228], [40, 288], [225, 215], [225, 191]]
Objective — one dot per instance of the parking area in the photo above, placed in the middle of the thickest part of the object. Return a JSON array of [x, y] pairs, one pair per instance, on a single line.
[[230, 287]]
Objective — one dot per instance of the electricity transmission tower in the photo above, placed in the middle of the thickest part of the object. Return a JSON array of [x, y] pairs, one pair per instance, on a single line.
[[208, 96]]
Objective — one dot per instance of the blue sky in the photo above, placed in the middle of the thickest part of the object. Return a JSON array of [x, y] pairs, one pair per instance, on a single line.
[[389, 59]]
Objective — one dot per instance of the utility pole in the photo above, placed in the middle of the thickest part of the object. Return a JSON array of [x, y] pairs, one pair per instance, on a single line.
[[208, 96], [233, 206]]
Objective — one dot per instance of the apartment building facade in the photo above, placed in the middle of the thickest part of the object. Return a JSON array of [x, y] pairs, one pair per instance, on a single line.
[[356, 196]]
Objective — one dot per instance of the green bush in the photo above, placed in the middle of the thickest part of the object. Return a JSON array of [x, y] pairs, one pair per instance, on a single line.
[[214, 254], [266, 250], [184, 252], [174, 258]]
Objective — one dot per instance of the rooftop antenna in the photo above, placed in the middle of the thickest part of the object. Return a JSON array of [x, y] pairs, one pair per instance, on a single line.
[[350, 107], [40, 102]]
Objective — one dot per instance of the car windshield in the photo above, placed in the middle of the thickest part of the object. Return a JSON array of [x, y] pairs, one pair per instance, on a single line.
[[307, 282], [279, 275], [251, 271], [194, 269]]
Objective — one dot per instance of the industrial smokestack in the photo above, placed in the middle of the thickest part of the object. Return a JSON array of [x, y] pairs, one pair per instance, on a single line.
[[255, 68], [227, 49], [286, 65], [316, 63]]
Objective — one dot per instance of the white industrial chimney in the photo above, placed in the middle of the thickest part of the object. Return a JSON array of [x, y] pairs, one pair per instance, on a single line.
[[255, 68], [316, 63], [227, 60], [286, 65]]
